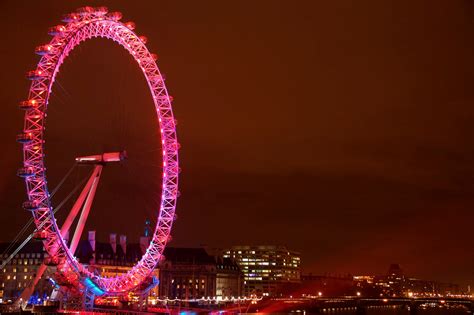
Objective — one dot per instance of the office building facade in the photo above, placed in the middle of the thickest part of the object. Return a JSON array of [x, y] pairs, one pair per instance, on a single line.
[[265, 268]]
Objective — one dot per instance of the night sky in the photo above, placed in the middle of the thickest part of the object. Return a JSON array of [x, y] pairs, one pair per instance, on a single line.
[[342, 129]]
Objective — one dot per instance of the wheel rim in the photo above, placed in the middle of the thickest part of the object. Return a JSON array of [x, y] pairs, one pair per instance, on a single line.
[[86, 24]]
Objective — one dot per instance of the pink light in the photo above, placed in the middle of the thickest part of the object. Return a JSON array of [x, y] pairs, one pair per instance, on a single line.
[[130, 25], [82, 26]]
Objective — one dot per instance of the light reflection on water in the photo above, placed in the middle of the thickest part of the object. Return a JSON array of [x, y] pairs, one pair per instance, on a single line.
[[428, 311], [387, 311]]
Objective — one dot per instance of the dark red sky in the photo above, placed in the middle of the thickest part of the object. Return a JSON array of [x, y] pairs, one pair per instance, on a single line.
[[341, 129]]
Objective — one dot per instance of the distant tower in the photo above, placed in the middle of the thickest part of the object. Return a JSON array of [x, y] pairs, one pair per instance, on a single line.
[[147, 228]]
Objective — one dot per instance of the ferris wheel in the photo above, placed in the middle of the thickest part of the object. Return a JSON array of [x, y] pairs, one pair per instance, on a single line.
[[87, 23]]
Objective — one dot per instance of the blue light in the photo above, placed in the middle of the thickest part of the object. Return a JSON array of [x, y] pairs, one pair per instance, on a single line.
[[93, 287]]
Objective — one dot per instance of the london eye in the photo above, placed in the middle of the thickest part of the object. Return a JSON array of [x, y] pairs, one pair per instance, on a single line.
[[84, 24]]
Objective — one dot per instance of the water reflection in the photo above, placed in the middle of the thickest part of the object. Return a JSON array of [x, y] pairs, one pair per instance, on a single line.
[[387, 310]]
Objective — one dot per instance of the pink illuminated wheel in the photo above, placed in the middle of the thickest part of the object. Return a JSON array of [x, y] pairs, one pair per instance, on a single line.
[[82, 25]]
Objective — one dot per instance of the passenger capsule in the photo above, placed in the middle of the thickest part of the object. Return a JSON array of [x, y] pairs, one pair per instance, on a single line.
[[57, 30], [36, 74], [31, 205], [116, 16], [25, 137], [154, 56], [40, 236], [44, 50], [71, 17], [29, 104], [101, 10], [144, 39], [85, 10], [130, 25], [25, 172]]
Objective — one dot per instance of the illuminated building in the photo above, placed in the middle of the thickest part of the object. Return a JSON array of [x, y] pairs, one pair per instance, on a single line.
[[191, 273], [109, 259], [396, 284], [18, 273], [265, 268]]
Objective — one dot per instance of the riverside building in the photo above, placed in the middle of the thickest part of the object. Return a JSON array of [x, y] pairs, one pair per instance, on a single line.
[[265, 268], [192, 273]]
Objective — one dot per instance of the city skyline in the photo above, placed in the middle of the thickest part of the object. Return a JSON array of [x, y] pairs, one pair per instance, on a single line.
[[342, 131]]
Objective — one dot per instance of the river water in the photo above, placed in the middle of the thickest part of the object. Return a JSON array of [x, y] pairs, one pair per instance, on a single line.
[[406, 311], [397, 310], [389, 310]]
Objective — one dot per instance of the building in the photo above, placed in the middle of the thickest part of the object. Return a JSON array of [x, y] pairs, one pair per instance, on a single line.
[[229, 278], [394, 283], [106, 258], [21, 270], [265, 268], [191, 273]]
